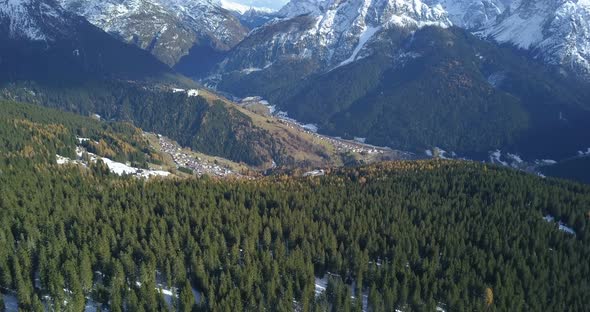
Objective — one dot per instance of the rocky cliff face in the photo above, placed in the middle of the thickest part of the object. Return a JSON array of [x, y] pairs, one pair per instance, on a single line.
[[166, 28], [557, 32], [36, 20], [471, 14]]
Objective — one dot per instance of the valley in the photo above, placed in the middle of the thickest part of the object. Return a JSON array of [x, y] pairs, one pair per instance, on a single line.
[[303, 144], [304, 147], [316, 156]]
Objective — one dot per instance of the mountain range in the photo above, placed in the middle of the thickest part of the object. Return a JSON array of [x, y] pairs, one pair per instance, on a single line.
[[349, 67], [554, 31], [465, 76]]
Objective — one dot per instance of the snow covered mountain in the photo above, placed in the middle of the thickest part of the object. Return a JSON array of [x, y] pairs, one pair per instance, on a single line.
[[328, 33], [169, 29], [557, 31], [301, 7], [321, 35]]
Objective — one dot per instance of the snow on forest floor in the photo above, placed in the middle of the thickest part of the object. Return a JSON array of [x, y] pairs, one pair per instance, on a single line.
[[189, 93], [562, 226], [91, 306], [171, 293], [440, 153], [10, 303], [115, 167], [321, 284]]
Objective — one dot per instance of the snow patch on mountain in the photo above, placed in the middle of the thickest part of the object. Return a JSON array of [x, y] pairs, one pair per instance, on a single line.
[[365, 36], [114, 167], [85, 158], [522, 32], [471, 14], [496, 79], [561, 226]]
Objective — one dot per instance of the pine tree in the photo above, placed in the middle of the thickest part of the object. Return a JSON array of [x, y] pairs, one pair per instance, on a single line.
[[416, 298], [37, 305], [85, 270], [133, 303], [117, 287], [186, 298], [116, 300], [375, 299], [23, 290], [5, 277]]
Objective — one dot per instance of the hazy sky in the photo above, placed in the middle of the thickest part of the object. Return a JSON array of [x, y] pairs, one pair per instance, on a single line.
[[273, 4]]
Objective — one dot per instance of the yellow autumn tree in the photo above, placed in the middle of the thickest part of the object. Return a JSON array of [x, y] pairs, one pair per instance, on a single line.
[[489, 297]]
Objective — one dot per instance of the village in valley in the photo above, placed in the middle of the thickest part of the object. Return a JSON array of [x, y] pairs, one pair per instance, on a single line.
[[184, 158]]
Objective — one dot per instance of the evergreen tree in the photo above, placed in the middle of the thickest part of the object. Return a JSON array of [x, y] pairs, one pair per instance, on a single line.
[[186, 298], [86, 273]]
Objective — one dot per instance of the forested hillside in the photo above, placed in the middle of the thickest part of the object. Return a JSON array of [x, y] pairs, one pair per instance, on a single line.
[[208, 127], [30, 131], [408, 235]]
